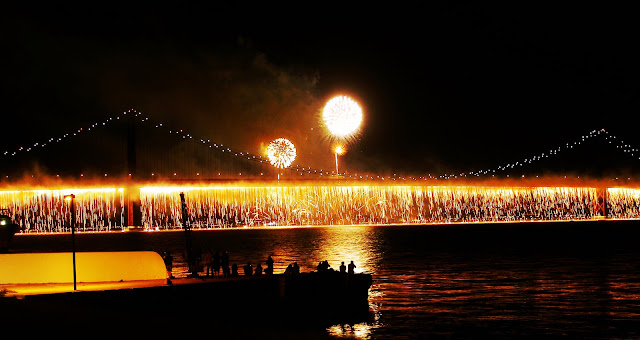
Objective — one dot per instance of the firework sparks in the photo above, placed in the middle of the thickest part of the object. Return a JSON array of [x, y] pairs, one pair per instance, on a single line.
[[281, 153], [342, 116], [224, 207], [103, 209], [44, 211]]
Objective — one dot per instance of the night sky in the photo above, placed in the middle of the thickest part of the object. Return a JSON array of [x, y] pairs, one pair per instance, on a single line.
[[444, 89]]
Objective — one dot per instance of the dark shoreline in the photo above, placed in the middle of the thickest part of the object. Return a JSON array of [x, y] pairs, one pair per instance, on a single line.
[[305, 300]]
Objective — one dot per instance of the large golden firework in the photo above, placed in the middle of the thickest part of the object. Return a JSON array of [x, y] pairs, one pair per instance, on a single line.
[[281, 153], [342, 116]]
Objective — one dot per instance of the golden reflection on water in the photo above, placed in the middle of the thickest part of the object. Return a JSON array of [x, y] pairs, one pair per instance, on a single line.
[[348, 243], [444, 287]]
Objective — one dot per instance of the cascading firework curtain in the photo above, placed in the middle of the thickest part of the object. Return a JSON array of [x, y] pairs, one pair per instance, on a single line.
[[210, 207], [44, 211]]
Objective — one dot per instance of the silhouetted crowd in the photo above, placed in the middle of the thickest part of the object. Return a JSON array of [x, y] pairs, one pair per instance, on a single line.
[[211, 263], [324, 267]]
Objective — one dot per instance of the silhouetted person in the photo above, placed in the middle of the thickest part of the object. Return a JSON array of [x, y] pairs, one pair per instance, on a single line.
[[296, 268], [258, 269], [197, 262], [208, 262], [289, 270], [234, 270], [323, 266], [269, 269], [216, 264], [225, 271], [248, 269], [224, 262], [343, 268], [352, 268], [168, 263], [224, 259]]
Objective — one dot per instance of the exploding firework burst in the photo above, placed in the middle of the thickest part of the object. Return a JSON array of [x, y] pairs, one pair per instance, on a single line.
[[342, 116], [281, 153]]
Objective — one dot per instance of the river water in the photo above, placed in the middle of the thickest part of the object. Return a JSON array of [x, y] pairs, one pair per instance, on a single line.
[[450, 281]]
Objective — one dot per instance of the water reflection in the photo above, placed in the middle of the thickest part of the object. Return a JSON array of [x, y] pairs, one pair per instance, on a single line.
[[350, 243], [576, 280], [359, 244]]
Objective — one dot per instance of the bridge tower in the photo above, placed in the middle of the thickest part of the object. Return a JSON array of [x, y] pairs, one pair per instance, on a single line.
[[134, 216], [600, 204]]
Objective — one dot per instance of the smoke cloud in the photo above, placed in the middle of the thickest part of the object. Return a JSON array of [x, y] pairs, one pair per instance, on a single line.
[[235, 97]]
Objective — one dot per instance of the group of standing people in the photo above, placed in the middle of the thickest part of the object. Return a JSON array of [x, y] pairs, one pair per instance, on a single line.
[[214, 262], [352, 267], [292, 268], [250, 271], [211, 263], [324, 267]]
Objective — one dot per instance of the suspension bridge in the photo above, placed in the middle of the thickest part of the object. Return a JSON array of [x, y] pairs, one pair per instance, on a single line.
[[134, 175]]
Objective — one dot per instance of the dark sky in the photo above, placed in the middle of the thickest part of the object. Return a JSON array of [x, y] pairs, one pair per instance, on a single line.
[[443, 89]]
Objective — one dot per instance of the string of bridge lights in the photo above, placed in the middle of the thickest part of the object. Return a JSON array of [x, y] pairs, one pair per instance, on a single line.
[[139, 115], [249, 156], [611, 139]]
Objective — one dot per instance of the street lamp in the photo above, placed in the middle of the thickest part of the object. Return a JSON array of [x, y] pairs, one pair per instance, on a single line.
[[71, 197]]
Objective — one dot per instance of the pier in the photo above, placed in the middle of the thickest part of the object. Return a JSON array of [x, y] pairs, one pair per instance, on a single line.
[[299, 299]]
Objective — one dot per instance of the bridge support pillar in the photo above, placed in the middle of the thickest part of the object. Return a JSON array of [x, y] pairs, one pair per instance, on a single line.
[[134, 215], [600, 204]]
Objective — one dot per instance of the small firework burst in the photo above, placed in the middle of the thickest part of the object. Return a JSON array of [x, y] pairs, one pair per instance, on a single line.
[[281, 153]]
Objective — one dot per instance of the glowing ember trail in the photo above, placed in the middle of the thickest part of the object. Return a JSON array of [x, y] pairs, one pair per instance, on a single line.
[[223, 207], [339, 150], [226, 206], [623, 203], [45, 211]]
